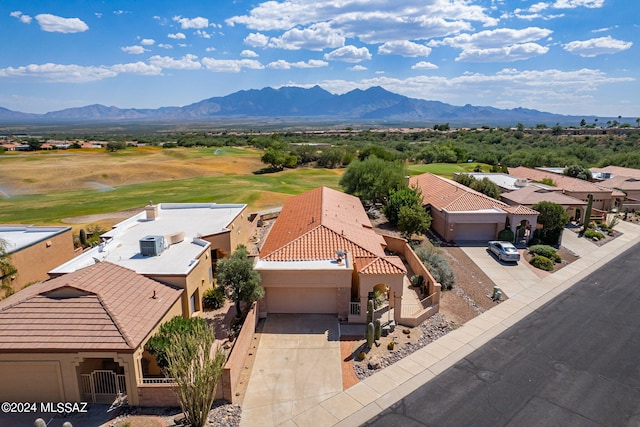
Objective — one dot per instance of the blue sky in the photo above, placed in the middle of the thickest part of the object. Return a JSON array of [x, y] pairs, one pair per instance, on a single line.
[[563, 56]]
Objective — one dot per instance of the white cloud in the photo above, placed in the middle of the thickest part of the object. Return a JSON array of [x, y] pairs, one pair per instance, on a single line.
[[133, 50], [203, 34], [538, 7], [191, 23], [379, 22], [231, 65], [515, 52], [281, 64], [501, 45], [165, 46], [177, 36], [137, 68], [404, 48], [59, 72], [572, 4], [348, 54], [25, 19], [211, 49], [57, 24], [597, 46], [248, 54], [147, 42], [187, 62], [315, 37], [256, 40], [604, 30], [424, 65], [121, 12], [357, 68], [98, 15]]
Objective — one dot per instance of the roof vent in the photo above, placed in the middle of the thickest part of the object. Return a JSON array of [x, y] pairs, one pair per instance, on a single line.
[[174, 238], [151, 245]]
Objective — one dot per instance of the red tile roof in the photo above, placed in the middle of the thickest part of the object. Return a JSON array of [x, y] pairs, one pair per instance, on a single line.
[[532, 194], [566, 183], [315, 224], [619, 171], [445, 194], [101, 307]]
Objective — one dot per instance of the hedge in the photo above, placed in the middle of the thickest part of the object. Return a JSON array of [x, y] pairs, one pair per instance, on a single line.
[[542, 262]]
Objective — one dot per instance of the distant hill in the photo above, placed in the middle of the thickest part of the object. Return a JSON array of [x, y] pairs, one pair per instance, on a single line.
[[374, 105]]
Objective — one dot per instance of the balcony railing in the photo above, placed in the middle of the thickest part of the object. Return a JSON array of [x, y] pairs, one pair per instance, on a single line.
[[158, 381], [354, 308]]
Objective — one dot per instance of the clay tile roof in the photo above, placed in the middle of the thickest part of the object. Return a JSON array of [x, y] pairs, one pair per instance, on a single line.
[[315, 224], [386, 265], [619, 171], [622, 182], [101, 307], [521, 210], [445, 194], [531, 194], [561, 181]]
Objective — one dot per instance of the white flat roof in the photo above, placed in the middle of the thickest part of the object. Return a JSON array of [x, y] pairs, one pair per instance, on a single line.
[[302, 265], [500, 179], [19, 237], [122, 244]]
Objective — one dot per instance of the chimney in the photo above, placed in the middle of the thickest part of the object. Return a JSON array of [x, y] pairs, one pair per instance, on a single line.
[[152, 212]]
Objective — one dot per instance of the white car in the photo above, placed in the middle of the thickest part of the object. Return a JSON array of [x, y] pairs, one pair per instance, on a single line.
[[505, 251]]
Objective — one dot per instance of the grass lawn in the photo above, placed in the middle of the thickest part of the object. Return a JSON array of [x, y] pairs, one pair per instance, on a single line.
[[446, 169], [258, 191]]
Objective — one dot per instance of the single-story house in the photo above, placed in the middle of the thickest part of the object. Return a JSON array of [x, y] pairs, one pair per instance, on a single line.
[[323, 256], [34, 250], [604, 199], [80, 336], [626, 180], [461, 214], [534, 193]]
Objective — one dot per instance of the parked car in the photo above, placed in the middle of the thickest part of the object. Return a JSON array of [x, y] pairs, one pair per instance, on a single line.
[[505, 251]]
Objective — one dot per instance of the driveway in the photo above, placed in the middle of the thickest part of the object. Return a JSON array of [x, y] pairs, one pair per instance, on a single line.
[[512, 278], [297, 366]]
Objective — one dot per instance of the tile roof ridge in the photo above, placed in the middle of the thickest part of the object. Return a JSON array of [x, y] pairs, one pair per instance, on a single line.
[[115, 321], [263, 256]]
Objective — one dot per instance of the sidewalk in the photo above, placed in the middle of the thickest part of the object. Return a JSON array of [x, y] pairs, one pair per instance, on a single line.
[[371, 396]]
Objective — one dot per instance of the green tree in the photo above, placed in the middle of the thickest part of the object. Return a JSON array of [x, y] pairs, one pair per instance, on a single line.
[[552, 215], [331, 157], [7, 268], [464, 179], [399, 198], [413, 220], [373, 179], [196, 368], [161, 340], [275, 158], [116, 145], [237, 275], [378, 151], [577, 171], [486, 187]]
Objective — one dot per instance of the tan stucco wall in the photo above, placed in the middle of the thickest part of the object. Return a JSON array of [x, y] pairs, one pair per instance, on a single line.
[[451, 219], [602, 200], [240, 230], [35, 261]]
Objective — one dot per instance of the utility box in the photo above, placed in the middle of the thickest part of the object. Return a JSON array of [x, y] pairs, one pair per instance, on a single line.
[[151, 245]]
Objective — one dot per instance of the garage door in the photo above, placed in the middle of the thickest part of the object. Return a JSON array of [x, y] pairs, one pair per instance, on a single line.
[[475, 232], [302, 300], [30, 382]]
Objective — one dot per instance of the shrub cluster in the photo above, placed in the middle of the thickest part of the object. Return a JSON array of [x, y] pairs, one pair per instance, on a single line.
[[213, 298], [590, 234], [542, 262], [438, 266], [545, 251]]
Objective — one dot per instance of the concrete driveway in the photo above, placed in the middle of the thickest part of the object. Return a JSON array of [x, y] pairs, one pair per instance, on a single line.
[[297, 366], [512, 278]]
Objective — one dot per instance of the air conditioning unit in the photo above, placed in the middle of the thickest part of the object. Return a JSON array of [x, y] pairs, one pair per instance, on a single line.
[[605, 175], [521, 182], [152, 245]]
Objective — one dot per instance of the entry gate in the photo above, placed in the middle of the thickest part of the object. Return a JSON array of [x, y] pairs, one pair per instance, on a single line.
[[103, 386]]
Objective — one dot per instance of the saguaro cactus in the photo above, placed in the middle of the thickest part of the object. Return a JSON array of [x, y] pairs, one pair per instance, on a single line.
[[370, 331], [377, 329], [370, 311]]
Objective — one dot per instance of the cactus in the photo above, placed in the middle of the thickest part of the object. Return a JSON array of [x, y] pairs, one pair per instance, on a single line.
[[83, 238], [377, 329], [391, 345], [370, 335], [370, 311]]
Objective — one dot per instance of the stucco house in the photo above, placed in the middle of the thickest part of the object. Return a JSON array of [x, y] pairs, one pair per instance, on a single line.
[[626, 180], [34, 250], [534, 193], [323, 256], [81, 336], [461, 214], [604, 199]]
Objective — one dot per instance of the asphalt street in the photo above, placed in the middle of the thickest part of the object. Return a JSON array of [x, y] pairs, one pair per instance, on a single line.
[[574, 362]]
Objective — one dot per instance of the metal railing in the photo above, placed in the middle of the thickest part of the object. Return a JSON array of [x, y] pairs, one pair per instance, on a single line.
[[412, 309], [102, 385], [354, 308], [158, 381]]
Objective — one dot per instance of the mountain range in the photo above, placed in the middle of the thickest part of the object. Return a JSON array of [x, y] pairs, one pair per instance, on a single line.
[[373, 105]]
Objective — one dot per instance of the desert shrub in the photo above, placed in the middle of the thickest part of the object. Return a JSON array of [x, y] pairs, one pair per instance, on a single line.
[[545, 251], [542, 262], [590, 234], [213, 298], [506, 235], [438, 266]]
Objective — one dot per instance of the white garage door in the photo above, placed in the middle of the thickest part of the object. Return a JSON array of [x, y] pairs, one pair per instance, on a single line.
[[475, 232], [302, 300], [30, 382]]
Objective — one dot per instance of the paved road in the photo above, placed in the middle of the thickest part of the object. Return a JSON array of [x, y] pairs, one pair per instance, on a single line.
[[575, 362]]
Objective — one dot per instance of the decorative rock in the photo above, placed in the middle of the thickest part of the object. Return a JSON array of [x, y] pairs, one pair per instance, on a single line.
[[374, 363]]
